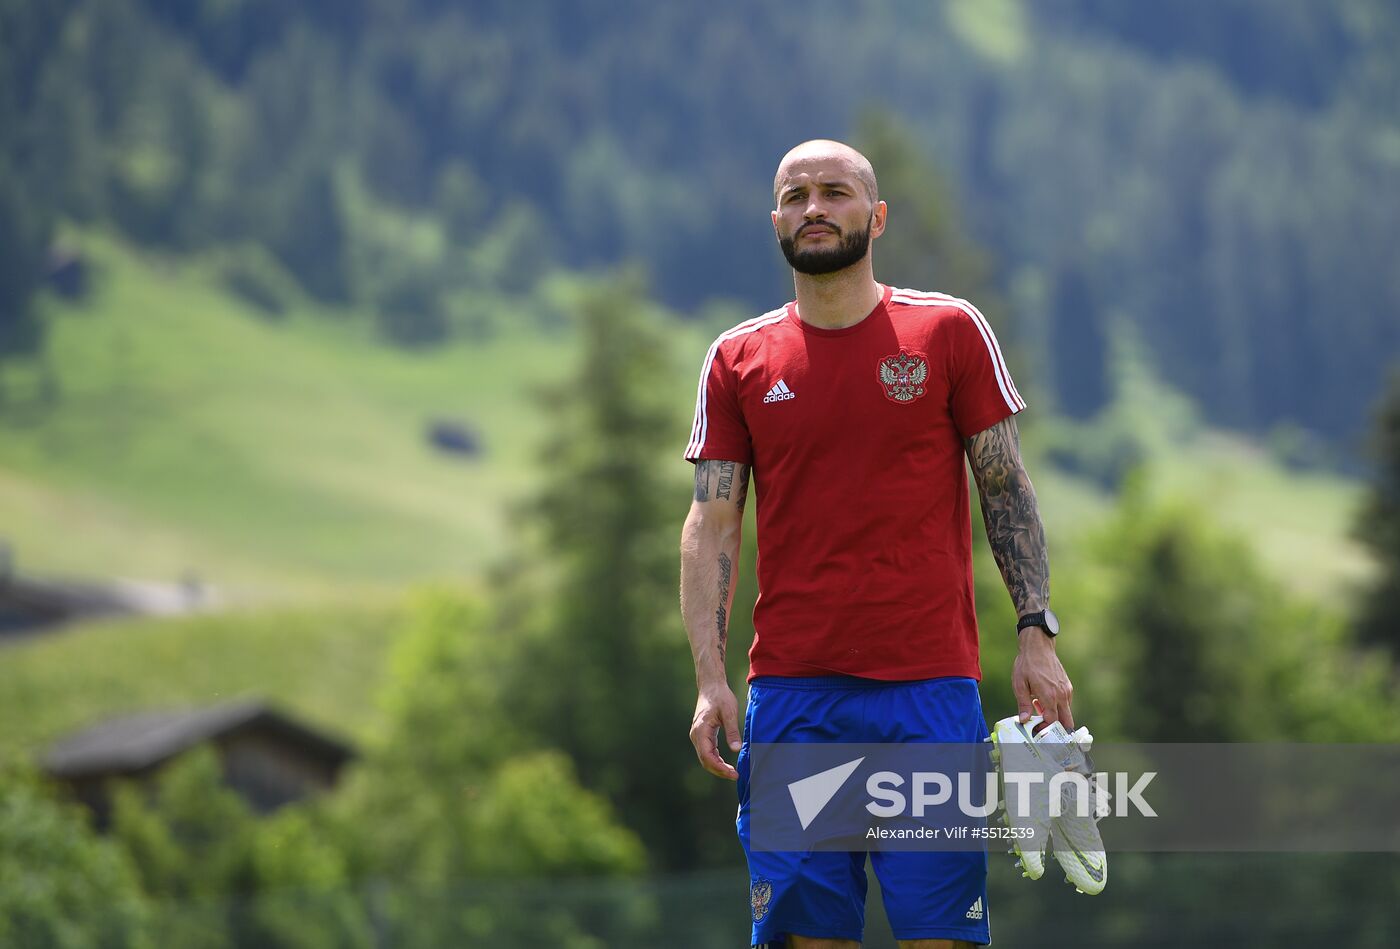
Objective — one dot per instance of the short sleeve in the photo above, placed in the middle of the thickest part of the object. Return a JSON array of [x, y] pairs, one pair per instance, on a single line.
[[981, 392], [718, 430]]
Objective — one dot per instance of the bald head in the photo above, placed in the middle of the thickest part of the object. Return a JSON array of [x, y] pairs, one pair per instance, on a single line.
[[824, 152]]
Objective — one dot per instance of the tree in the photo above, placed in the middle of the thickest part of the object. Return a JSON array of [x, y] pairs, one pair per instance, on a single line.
[[1183, 609], [455, 787], [1378, 527], [225, 878], [305, 894], [60, 884], [1196, 643], [610, 677], [455, 795]]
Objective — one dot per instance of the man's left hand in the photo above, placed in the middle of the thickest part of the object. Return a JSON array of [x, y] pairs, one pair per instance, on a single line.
[[1037, 677]]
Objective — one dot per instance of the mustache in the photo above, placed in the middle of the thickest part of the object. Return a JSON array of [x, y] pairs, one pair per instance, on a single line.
[[826, 224]]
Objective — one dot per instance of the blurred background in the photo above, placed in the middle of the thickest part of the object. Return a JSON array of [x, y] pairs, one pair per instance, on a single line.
[[347, 355]]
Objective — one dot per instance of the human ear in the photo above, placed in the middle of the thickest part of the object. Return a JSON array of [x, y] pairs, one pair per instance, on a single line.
[[878, 217]]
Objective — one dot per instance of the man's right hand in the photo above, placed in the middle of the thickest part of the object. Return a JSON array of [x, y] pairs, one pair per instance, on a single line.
[[1038, 678], [716, 710]]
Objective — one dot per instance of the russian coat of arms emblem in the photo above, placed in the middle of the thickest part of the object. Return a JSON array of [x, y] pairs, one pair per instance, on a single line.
[[903, 376], [759, 896]]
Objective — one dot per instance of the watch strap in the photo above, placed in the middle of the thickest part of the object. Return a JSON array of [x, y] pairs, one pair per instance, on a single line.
[[1036, 619]]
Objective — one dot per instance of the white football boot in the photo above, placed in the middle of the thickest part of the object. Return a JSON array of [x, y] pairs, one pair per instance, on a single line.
[[1014, 750], [1077, 845]]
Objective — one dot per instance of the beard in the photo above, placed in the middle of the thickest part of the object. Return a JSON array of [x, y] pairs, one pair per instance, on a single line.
[[849, 249]]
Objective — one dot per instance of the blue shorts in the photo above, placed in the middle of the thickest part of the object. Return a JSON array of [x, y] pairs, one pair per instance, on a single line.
[[927, 894]]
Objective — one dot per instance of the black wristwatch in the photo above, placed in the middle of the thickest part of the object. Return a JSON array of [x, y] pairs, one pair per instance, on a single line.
[[1045, 619]]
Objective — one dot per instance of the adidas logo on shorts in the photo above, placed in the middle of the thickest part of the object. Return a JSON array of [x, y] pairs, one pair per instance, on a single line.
[[975, 910], [779, 393]]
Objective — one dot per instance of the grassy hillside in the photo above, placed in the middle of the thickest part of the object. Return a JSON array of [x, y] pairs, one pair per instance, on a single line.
[[183, 432]]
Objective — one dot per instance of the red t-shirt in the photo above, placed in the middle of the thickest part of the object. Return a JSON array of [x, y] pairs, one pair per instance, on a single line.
[[855, 437]]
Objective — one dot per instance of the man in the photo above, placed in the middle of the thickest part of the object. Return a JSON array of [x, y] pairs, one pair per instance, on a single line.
[[852, 407]]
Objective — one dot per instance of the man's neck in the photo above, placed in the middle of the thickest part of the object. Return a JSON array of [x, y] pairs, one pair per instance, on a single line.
[[837, 300]]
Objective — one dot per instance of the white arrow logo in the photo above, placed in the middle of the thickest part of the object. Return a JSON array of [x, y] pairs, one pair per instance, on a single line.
[[811, 794]]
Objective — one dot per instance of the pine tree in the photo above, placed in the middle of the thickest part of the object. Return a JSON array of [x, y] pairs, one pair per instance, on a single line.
[[1378, 526], [608, 675]]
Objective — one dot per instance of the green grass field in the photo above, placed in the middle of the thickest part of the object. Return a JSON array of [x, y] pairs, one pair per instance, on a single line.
[[187, 434]]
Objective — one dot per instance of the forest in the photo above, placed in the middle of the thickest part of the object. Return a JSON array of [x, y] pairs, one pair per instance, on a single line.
[[1217, 180]]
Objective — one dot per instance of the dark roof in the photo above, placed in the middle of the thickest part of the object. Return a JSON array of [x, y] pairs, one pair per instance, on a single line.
[[28, 603], [135, 742]]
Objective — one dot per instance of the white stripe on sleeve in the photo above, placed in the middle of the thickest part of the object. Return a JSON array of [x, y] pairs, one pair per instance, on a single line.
[[699, 429], [1003, 375]]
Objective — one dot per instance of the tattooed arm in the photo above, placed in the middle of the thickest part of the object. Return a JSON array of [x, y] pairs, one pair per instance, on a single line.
[[709, 554], [1014, 530], [1017, 538]]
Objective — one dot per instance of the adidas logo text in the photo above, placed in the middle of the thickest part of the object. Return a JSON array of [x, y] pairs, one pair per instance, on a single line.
[[975, 911], [779, 393]]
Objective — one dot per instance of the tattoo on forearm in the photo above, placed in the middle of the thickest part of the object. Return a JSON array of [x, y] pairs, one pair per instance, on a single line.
[[702, 480], [1014, 529], [715, 480], [722, 481], [722, 613]]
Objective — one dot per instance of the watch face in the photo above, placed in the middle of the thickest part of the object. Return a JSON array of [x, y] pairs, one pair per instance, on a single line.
[[1052, 623]]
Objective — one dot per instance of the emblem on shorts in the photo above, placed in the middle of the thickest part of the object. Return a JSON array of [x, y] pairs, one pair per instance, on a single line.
[[903, 376], [759, 895]]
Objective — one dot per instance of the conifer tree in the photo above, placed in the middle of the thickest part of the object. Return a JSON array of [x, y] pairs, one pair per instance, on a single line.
[[1378, 526], [608, 674]]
